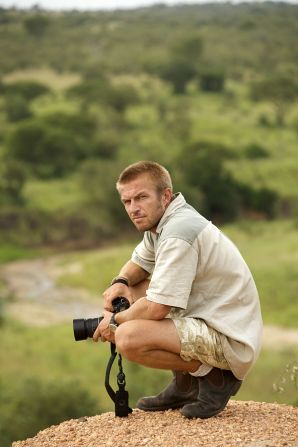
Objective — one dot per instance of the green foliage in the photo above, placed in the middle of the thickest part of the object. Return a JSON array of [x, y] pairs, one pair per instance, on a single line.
[[183, 63], [36, 404], [100, 91], [12, 179], [255, 151], [220, 196], [120, 110], [212, 81], [51, 147], [203, 168], [281, 89], [10, 252], [29, 90], [100, 194], [36, 25], [16, 108]]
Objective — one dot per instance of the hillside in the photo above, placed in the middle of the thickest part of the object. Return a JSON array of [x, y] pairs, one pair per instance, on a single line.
[[207, 90], [242, 424]]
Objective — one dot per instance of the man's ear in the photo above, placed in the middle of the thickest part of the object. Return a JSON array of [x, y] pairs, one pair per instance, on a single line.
[[167, 197]]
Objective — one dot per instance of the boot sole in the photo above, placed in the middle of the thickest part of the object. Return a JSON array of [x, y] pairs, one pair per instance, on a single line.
[[166, 407]]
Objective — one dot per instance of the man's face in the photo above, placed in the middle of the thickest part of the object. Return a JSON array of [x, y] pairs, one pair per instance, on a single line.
[[143, 203]]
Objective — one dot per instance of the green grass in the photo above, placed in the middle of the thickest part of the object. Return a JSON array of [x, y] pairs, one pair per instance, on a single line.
[[98, 267], [9, 252], [53, 195]]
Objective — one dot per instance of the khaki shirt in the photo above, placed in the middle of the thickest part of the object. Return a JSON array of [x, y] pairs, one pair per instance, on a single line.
[[194, 267]]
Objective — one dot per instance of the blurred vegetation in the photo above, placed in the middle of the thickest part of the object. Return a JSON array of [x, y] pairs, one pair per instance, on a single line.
[[210, 91], [82, 94]]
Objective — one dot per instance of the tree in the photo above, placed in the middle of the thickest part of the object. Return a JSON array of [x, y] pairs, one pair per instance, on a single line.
[[16, 108], [280, 89], [12, 180], [101, 91], [48, 151], [100, 193], [203, 167], [214, 189], [36, 25], [29, 90], [212, 80], [183, 64]]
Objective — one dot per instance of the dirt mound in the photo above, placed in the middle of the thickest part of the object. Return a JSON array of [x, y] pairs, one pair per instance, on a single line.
[[241, 424]]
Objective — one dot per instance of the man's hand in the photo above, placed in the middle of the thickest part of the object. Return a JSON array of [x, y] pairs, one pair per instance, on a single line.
[[115, 291], [103, 331]]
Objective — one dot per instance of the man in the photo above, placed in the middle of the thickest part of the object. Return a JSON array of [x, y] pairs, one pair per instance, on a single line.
[[194, 304]]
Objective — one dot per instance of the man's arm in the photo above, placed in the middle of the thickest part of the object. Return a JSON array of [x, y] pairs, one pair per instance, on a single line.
[[134, 274], [141, 309]]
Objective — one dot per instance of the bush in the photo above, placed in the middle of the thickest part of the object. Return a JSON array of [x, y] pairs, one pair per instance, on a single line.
[[48, 151], [16, 108], [203, 167], [13, 175], [100, 193], [254, 151], [36, 25], [36, 404], [183, 63], [101, 91], [212, 81], [223, 198], [29, 90]]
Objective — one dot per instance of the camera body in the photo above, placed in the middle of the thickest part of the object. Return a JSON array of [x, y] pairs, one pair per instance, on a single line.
[[85, 328]]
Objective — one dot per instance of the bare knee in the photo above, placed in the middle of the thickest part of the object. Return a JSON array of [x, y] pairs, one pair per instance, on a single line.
[[127, 340]]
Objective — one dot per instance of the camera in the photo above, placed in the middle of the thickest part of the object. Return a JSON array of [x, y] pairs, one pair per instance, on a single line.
[[85, 328]]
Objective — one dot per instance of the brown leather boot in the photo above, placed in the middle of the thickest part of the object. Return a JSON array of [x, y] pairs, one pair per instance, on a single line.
[[183, 390], [216, 388]]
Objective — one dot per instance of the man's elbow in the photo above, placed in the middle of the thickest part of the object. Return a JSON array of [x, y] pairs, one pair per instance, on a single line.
[[158, 311]]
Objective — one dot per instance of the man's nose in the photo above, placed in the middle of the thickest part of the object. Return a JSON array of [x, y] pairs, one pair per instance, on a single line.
[[134, 207]]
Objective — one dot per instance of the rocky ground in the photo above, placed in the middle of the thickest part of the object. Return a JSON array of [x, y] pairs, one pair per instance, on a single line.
[[241, 424]]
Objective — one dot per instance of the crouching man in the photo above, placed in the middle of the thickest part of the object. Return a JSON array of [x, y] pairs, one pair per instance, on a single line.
[[194, 304]]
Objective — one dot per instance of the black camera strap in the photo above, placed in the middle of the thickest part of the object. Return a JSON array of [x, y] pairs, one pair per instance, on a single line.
[[120, 397]]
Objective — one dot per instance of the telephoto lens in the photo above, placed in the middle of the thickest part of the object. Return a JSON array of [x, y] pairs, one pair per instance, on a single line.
[[85, 328]]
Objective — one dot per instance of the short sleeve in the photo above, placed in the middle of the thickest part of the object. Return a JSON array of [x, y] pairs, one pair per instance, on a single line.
[[174, 273], [144, 255]]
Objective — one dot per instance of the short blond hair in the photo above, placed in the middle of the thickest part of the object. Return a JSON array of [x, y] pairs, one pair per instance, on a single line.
[[158, 173]]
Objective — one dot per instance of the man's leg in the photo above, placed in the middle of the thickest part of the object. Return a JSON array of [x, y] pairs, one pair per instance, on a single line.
[[184, 388], [155, 344]]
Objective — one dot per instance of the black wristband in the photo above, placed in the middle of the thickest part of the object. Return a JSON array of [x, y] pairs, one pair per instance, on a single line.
[[120, 280]]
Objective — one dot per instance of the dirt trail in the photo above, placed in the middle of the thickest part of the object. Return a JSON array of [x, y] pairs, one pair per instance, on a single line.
[[39, 301]]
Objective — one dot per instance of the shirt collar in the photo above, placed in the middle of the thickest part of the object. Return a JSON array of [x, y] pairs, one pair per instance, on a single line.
[[176, 203]]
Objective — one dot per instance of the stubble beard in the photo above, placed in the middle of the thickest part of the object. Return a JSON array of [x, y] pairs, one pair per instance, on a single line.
[[151, 226]]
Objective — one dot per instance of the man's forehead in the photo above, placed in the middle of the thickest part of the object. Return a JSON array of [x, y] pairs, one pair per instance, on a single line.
[[142, 183]]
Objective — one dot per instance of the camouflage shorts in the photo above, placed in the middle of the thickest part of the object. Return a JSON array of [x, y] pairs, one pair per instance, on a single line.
[[200, 342]]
